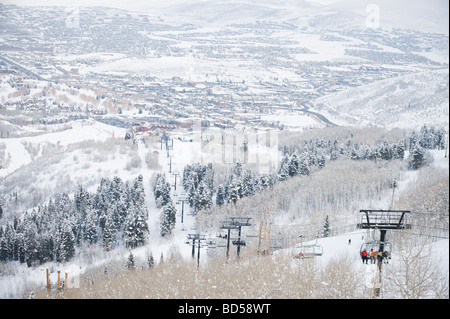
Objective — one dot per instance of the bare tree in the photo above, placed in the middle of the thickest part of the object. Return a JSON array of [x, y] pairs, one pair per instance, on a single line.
[[416, 273]]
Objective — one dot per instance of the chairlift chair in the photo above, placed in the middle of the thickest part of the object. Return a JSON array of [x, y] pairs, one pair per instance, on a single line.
[[375, 245], [239, 242], [310, 250]]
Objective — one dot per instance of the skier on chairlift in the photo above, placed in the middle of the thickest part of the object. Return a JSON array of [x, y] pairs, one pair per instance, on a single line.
[[364, 256]]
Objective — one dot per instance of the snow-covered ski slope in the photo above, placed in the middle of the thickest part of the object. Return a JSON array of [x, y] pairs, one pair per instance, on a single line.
[[24, 277]]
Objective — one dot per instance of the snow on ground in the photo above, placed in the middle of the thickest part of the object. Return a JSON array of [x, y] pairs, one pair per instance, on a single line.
[[79, 131], [183, 152], [395, 102]]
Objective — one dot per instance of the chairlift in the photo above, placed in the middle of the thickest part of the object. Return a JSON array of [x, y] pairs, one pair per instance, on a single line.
[[211, 242], [239, 242], [222, 235], [309, 250], [375, 246]]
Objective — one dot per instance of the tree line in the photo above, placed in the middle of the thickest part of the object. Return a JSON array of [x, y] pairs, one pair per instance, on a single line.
[[302, 159], [114, 215]]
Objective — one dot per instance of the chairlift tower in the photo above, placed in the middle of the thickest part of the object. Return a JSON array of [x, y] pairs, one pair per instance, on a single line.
[[196, 239], [175, 174], [182, 200], [383, 220], [235, 223]]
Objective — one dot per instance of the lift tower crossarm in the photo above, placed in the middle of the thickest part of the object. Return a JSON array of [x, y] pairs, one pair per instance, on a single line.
[[383, 219]]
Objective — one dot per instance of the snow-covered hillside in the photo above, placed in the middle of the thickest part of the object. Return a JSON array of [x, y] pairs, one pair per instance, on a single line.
[[89, 90], [418, 98], [18, 277]]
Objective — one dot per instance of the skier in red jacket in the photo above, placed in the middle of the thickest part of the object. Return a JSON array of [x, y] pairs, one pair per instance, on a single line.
[[364, 256]]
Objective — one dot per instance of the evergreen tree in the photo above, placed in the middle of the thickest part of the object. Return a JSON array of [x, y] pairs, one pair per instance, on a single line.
[[150, 261], [321, 162], [168, 219], [248, 184], [31, 243], [130, 262], [326, 228], [20, 247], [413, 140], [161, 190], [202, 197], [294, 164], [9, 235], [3, 249], [138, 195], [135, 229], [108, 234], [82, 201], [220, 196], [304, 168], [90, 235], [234, 193], [65, 249], [418, 158], [46, 248]]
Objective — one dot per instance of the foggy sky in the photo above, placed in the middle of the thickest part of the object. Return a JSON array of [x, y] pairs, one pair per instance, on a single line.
[[423, 15]]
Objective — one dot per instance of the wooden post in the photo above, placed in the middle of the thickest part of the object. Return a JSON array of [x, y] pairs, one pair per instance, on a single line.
[[260, 228], [66, 282], [265, 231], [48, 281], [59, 280], [268, 233]]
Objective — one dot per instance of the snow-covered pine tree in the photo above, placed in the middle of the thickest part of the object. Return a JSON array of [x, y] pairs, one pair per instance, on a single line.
[[130, 262], [161, 190], [3, 248], [294, 165], [283, 171], [129, 229], [109, 232], [304, 167], [150, 261], [82, 201], [220, 196], [418, 157], [248, 184], [90, 222], [202, 197], [321, 162], [20, 247], [135, 228], [65, 248], [168, 219], [234, 193], [137, 192], [326, 231], [31, 243], [46, 248], [118, 204]]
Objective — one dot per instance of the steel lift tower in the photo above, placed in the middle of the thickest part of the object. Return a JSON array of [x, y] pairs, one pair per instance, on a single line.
[[383, 220], [235, 223]]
